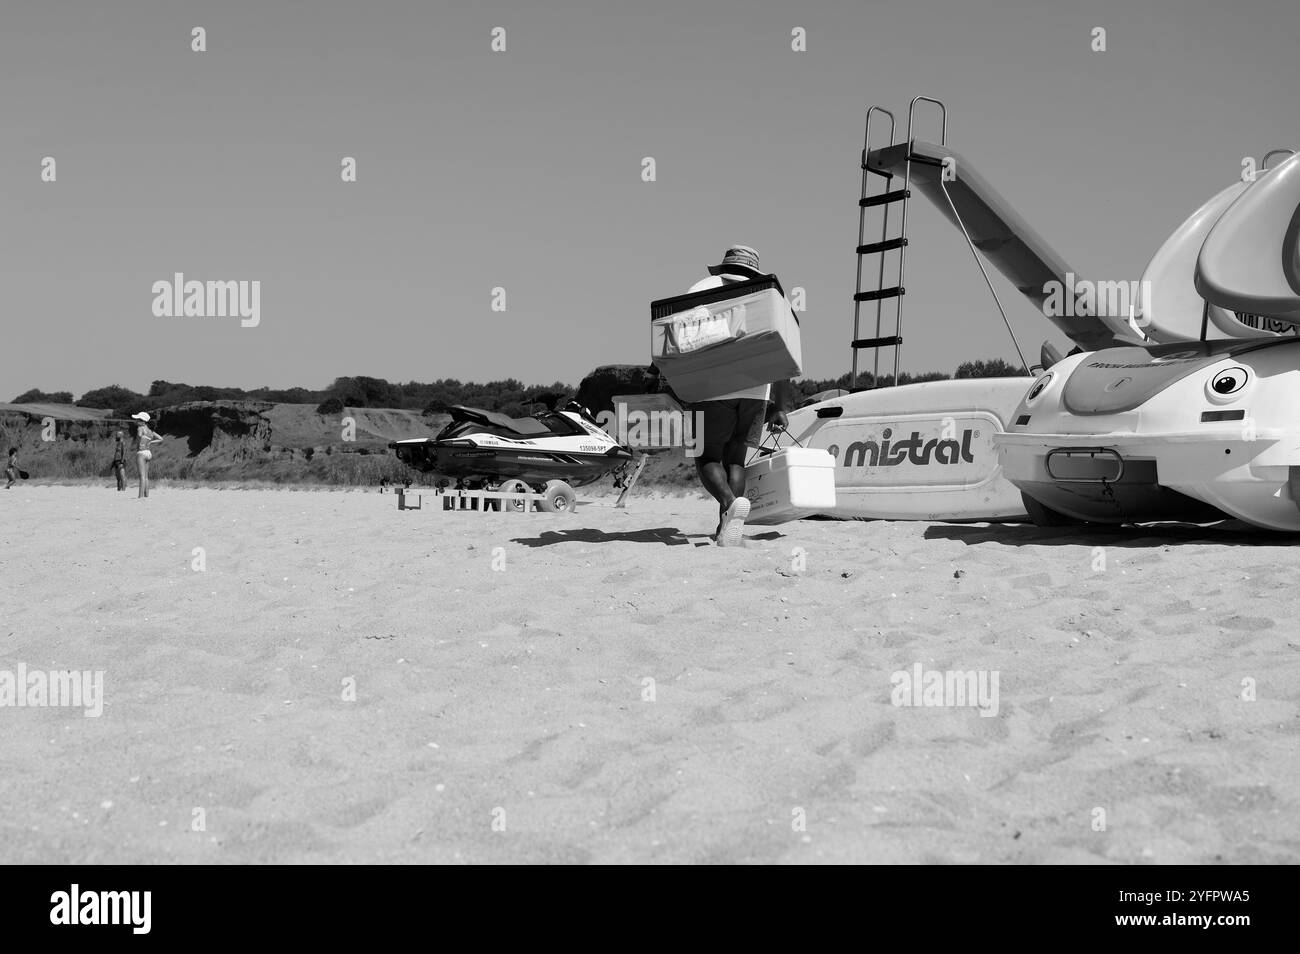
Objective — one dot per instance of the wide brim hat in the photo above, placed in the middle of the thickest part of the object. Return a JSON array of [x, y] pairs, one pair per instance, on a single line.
[[141, 416], [739, 260]]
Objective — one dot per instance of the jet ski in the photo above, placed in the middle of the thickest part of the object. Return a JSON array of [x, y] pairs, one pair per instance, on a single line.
[[480, 447]]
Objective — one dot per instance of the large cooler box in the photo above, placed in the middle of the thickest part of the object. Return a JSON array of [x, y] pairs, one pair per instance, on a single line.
[[723, 339], [789, 484]]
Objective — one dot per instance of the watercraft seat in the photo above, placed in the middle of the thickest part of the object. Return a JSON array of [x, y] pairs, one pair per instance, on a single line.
[[520, 426]]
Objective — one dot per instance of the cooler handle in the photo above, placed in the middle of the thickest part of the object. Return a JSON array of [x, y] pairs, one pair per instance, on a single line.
[[776, 444]]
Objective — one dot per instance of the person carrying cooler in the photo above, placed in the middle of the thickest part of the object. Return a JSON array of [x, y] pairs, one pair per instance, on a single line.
[[733, 420]]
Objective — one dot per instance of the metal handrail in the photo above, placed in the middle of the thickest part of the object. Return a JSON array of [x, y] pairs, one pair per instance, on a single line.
[[907, 185], [943, 111], [1263, 163], [862, 225]]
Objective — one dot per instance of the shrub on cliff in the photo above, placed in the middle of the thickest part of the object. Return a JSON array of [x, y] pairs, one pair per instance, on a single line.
[[363, 391], [597, 390], [330, 406], [111, 398], [37, 396]]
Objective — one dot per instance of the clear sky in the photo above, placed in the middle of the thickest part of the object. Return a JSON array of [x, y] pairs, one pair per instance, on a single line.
[[522, 169]]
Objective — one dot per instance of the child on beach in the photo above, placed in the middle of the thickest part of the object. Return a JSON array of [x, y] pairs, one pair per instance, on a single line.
[[119, 459], [11, 468], [144, 437]]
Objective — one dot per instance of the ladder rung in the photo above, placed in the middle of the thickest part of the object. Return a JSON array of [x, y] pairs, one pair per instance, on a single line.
[[894, 292], [896, 196], [890, 341], [884, 246]]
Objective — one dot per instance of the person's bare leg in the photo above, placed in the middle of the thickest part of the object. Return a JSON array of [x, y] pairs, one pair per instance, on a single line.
[[733, 458], [144, 476], [731, 523], [731, 520], [736, 479], [716, 481]]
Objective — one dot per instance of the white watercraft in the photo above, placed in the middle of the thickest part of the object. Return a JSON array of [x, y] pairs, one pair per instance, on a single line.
[[1194, 431]]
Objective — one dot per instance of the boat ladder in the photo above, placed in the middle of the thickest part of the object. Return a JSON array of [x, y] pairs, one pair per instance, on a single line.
[[884, 200]]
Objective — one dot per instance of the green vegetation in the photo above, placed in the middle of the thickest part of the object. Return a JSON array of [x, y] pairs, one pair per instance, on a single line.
[[509, 396], [110, 398], [297, 436], [330, 406], [37, 396]]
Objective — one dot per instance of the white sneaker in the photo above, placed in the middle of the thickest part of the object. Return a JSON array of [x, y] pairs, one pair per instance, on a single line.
[[733, 524]]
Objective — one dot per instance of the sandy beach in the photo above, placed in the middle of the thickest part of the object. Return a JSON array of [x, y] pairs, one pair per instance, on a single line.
[[605, 687]]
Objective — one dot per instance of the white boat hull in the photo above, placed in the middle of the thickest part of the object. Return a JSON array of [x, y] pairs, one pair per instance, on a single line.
[[1184, 452], [918, 451]]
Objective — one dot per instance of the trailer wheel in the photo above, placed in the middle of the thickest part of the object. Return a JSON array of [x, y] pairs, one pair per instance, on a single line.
[[1047, 517], [514, 487], [558, 497]]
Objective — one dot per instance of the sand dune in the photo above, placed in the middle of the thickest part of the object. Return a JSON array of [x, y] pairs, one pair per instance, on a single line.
[[607, 687]]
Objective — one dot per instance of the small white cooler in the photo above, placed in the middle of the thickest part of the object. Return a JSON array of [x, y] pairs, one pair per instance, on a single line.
[[788, 484]]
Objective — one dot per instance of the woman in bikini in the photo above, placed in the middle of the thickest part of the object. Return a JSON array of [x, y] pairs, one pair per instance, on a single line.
[[144, 437]]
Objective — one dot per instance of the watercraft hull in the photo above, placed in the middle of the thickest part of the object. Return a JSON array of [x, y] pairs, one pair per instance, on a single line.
[[918, 451], [1192, 432], [501, 460]]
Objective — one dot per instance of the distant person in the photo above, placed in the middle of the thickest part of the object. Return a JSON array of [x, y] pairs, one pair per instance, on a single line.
[[732, 420], [11, 468], [144, 436], [119, 459]]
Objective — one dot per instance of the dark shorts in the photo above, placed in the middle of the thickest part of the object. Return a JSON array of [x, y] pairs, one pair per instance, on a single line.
[[729, 426]]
